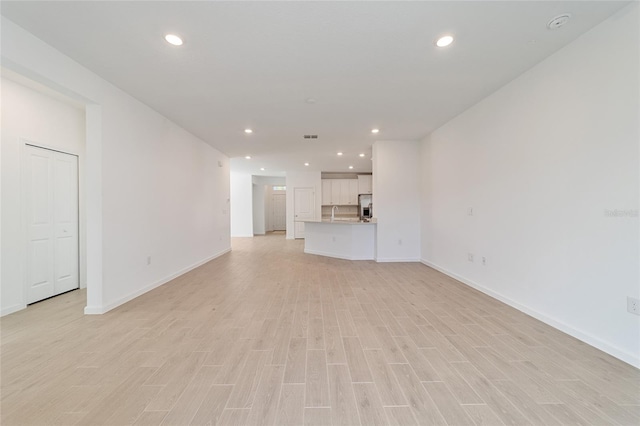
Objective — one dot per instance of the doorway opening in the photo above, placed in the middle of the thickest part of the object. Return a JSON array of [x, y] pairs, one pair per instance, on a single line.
[[269, 205], [44, 139]]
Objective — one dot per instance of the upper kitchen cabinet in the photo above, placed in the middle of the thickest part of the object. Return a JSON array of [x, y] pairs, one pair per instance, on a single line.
[[344, 192], [326, 192], [340, 192], [354, 187], [365, 184], [336, 188]]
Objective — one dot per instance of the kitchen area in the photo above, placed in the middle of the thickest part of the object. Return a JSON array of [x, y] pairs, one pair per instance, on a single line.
[[347, 229]]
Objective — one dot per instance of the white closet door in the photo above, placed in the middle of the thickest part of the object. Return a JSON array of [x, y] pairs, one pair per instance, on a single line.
[[65, 214], [52, 223]]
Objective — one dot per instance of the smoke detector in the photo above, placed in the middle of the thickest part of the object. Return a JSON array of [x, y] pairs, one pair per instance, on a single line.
[[559, 21]]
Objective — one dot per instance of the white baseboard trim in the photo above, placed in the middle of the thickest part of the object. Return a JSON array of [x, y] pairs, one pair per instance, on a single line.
[[321, 253], [242, 236], [93, 310], [596, 342], [11, 309], [399, 260], [99, 310]]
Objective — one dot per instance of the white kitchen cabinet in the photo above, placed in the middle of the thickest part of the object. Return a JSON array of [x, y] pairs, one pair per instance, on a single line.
[[340, 192], [326, 192], [365, 184], [344, 192], [335, 192], [353, 192]]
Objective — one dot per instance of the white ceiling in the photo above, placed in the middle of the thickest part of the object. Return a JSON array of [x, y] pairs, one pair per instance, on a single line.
[[253, 64]]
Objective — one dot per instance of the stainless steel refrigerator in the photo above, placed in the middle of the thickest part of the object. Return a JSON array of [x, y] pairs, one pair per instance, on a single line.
[[365, 206]]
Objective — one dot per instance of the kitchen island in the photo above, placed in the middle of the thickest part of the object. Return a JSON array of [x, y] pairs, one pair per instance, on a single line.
[[341, 238]]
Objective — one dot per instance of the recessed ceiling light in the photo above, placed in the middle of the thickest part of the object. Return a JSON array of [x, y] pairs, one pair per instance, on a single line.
[[311, 101], [444, 41], [248, 157], [351, 167], [375, 130], [248, 131], [339, 153], [361, 155], [306, 164], [173, 39], [262, 169]]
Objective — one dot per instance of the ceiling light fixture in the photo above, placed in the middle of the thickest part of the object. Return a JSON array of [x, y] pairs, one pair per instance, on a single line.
[[248, 157], [350, 167], [339, 154], [262, 169], [173, 39], [306, 164], [248, 131], [361, 155], [375, 131], [444, 41]]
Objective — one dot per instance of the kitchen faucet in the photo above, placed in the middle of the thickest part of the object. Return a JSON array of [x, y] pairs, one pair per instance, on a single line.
[[333, 210]]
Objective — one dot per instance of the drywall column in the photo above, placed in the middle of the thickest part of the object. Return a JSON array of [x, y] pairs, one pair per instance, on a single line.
[[93, 196], [241, 205], [258, 209], [396, 200]]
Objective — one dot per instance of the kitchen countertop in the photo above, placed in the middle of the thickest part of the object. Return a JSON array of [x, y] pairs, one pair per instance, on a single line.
[[343, 221]]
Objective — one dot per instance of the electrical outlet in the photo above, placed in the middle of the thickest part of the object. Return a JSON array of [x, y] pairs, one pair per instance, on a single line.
[[484, 261], [470, 211], [470, 257], [148, 260], [633, 305]]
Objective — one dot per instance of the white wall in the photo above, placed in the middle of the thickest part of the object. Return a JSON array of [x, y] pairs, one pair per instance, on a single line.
[[241, 205], [396, 200], [309, 179], [152, 189], [540, 161], [259, 209], [29, 116]]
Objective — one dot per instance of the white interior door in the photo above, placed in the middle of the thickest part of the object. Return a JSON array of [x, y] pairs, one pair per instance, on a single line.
[[52, 223], [279, 203], [304, 202]]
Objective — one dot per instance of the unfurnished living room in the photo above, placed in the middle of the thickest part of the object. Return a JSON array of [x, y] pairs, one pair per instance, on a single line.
[[320, 213]]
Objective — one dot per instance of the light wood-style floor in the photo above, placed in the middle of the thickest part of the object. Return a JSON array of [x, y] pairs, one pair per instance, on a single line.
[[269, 335]]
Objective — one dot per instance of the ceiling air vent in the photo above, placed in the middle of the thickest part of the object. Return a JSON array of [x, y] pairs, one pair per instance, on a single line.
[[311, 136]]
